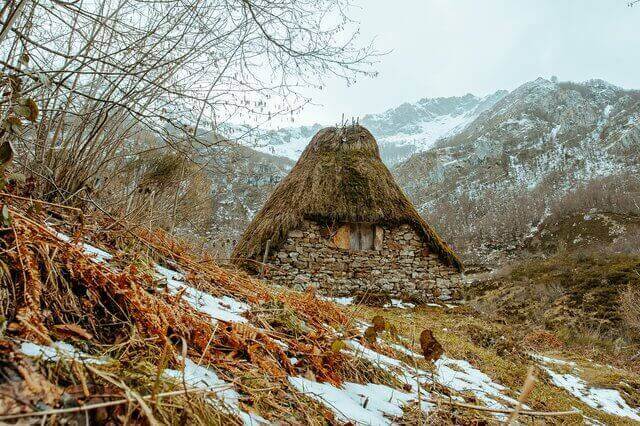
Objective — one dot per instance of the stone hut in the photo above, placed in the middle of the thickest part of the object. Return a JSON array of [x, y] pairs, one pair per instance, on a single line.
[[340, 222]]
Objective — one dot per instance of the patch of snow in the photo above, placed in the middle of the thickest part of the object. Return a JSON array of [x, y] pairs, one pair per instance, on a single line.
[[99, 255], [550, 360], [290, 149], [430, 131], [201, 377], [591, 422], [346, 301], [223, 308], [463, 377], [368, 404], [404, 350], [607, 400], [397, 303], [455, 374], [58, 350]]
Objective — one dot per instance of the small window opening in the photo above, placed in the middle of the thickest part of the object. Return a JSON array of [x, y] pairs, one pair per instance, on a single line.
[[361, 236], [358, 236]]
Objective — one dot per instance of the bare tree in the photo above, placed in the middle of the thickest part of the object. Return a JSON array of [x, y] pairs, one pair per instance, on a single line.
[[117, 77]]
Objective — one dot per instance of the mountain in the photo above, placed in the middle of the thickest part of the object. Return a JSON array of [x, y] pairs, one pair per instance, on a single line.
[[400, 131], [241, 180], [541, 129], [532, 146], [411, 128]]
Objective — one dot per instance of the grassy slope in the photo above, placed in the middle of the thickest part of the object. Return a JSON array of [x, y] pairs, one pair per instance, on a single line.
[[505, 359], [245, 355]]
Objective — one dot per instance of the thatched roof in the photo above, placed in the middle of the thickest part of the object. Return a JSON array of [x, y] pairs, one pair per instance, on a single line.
[[339, 177]]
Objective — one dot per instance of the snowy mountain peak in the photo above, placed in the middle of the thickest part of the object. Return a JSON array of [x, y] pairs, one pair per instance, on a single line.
[[544, 134], [400, 131]]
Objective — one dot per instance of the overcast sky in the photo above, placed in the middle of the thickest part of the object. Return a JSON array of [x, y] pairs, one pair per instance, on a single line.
[[454, 47]]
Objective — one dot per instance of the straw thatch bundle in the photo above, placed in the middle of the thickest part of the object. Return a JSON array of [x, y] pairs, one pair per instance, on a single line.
[[339, 178]]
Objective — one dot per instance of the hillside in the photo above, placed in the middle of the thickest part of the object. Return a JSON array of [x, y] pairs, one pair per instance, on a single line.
[[502, 173], [132, 326], [241, 180]]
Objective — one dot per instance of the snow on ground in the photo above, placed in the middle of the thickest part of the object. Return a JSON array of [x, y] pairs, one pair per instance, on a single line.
[[368, 404], [549, 360], [220, 308], [397, 303], [201, 377], [463, 377], [455, 374], [58, 350], [606, 400], [345, 301], [194, 375], [372, 404], [99, 255], [223, 308]]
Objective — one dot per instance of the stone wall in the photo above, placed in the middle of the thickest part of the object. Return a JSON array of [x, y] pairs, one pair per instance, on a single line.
[[403, 268]]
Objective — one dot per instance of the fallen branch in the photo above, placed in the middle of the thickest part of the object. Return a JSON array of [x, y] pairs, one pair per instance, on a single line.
[[505, 411]]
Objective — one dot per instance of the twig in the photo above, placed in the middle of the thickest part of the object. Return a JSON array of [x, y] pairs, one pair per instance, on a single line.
[[529, 383], [4, 194], [110, 403], [505, 411], [265, 257]]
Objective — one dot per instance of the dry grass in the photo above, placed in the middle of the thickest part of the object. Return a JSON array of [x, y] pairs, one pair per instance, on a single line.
[[457, 331], [55, 291], [630, 308], [146, 330], [577, 291]]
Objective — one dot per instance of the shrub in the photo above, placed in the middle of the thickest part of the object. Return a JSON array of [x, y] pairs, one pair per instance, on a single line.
[[542, 340], [618, 193], [628, 243], [583, 89], [500, 218]]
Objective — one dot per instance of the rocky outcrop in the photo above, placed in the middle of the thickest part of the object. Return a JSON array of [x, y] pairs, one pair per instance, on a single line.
[[404, 267]]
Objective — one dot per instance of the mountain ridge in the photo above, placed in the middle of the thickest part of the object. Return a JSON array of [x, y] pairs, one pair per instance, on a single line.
[[400, 131]]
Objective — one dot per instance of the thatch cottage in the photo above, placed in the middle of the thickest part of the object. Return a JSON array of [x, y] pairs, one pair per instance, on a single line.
[[340, 222]]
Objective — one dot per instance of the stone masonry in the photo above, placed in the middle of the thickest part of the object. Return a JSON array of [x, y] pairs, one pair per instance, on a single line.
[[403, 267]]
